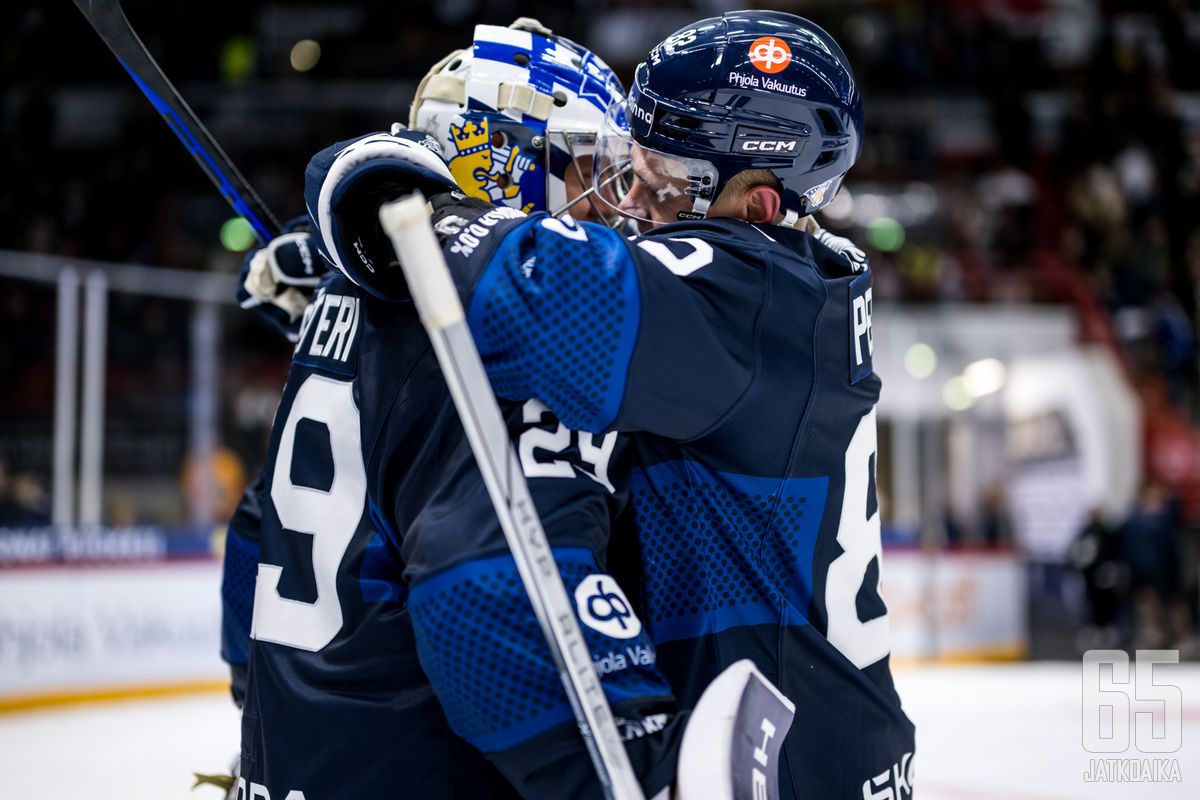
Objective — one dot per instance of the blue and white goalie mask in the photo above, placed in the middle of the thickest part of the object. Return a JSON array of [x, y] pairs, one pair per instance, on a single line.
[[518, 115]]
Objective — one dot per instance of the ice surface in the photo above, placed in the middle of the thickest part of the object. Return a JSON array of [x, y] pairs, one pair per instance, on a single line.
[[984, 733]]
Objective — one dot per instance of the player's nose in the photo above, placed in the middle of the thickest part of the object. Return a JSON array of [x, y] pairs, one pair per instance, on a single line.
[[631, 204]]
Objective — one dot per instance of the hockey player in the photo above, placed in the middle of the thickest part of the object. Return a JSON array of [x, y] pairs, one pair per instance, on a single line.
[[372, 516], [737, 349]]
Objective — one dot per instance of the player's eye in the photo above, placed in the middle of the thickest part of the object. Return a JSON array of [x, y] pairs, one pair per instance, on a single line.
[[646, 182]]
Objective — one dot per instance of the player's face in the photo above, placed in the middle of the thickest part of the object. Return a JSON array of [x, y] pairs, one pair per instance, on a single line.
[[658, 191], [577, 181]]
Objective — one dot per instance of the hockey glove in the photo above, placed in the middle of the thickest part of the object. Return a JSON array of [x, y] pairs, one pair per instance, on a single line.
[[344, 186], [278, 280], [847, 249], [732, 742]]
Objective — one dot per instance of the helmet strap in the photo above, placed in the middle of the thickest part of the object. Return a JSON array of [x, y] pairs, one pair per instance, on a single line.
[[509, 96], [789, 218], [433, 86]]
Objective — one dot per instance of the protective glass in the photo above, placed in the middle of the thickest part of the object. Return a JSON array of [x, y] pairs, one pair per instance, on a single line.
[[647, 185]]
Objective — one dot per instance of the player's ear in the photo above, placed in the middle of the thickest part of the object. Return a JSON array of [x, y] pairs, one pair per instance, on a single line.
[[761, 203]]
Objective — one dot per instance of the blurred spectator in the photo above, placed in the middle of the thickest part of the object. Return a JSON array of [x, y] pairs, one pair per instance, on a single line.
[[995, 523], [22, 500], [1096, 553], [1009, 196], [1151, 539], [211, 492], [1176, 346]]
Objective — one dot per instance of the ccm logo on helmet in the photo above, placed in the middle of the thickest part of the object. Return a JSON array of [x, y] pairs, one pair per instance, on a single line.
[[767, 146], [769, 54]]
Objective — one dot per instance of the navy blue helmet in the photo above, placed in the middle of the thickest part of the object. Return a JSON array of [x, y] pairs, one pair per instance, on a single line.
[[746, 90]]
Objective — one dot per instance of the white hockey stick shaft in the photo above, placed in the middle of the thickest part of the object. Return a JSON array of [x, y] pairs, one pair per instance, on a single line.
[[406, 222]]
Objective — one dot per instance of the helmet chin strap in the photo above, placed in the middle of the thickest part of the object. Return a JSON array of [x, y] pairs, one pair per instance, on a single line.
[[789, 218]]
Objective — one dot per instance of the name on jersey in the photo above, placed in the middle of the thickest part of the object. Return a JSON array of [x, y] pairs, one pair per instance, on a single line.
[[472, 235], [745, 80], [862, 347], [332, 321], [894, 783], [256, 791]]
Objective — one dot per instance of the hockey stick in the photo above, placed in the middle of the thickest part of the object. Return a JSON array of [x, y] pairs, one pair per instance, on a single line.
[[109, 21], [407, 224]]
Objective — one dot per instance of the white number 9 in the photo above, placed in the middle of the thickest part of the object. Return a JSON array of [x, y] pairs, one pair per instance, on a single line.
[[330, 517]]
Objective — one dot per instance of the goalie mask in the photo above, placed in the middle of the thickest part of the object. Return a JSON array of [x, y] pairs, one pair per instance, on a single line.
[[747, 90], [517, 116]]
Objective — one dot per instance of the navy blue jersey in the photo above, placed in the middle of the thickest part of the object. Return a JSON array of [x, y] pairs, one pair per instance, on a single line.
[[390, 641], [740, 358]]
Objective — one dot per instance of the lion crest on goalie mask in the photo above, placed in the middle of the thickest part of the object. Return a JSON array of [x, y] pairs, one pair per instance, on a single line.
[[488, 164]]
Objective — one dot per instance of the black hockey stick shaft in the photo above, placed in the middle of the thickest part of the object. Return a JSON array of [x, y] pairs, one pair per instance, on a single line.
[[110, 22]]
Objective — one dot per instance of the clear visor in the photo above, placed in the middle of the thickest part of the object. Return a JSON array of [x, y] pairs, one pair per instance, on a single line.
[[570, 153], [644, 184]]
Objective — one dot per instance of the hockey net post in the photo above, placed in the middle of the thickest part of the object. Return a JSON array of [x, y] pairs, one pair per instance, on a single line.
[[406, 222]]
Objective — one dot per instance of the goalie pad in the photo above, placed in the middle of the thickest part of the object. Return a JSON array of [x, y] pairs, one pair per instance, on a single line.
[[344, 186], [732, 743]]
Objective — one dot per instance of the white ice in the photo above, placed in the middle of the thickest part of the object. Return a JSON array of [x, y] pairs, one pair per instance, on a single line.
[[984, 733]]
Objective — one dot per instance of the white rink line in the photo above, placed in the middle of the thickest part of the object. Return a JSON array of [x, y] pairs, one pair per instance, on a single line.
[[984, 733]]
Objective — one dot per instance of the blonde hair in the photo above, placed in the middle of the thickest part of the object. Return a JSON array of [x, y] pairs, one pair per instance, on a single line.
[[747, 179]]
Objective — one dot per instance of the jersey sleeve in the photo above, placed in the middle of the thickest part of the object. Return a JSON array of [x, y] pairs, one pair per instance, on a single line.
[[480, 643], [641, 334], [237, 586]]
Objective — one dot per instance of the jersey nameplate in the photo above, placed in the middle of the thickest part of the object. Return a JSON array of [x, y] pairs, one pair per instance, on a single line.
[[328, 331], [861, 345]]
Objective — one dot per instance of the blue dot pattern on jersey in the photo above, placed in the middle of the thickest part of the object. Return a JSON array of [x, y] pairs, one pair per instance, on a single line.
[[722, 550], [556, 318], [489, 664], [237, 593]]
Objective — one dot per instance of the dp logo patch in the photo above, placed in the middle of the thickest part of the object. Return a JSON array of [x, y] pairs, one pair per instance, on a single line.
[[770, 55], [602, 606]]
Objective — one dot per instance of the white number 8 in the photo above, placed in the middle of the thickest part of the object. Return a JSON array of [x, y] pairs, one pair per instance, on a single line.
[[863, 643]]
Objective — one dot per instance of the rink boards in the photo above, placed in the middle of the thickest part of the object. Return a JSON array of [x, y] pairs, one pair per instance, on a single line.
[[134, 613]]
